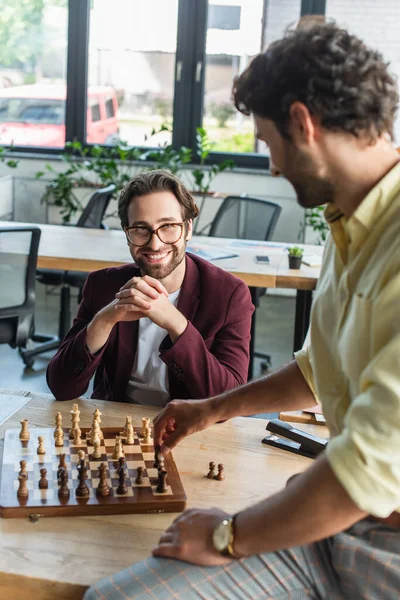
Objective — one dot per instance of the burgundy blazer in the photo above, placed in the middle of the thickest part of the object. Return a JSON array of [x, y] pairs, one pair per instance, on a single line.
[[211, 356]]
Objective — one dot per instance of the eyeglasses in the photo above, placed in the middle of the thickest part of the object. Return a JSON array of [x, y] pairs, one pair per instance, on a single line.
[[170, 233]]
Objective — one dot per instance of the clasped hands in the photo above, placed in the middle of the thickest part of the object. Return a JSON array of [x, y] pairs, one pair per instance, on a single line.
[[147, 297]]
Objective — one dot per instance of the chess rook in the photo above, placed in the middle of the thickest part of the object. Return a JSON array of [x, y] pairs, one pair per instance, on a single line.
[[24, 435]]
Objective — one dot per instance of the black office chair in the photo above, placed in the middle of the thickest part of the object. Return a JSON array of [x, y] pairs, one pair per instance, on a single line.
[[18, 259], [247, 218], [91, 218]]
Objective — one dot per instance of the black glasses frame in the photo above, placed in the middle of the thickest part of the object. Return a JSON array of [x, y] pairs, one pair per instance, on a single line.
[[152, 232]]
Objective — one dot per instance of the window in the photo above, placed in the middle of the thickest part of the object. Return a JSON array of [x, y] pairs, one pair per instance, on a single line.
[[237, 30], [33, 73], [110, 109], [134, 66], [132, 48], [95, 111]]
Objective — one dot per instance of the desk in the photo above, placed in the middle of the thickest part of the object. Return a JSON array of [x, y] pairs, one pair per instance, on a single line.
[[59, 557], [80, 249]]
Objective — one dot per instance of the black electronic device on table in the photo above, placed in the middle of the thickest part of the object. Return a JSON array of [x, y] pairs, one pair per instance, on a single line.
[[262, 260], [287, 437]]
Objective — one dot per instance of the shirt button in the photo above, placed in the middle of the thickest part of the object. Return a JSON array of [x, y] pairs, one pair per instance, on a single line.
[[335, 390]]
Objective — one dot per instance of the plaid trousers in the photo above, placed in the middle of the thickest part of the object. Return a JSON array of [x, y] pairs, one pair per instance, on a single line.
[[362, 563]]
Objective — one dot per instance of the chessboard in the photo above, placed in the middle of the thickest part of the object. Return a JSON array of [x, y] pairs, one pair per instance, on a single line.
[[139, 498]]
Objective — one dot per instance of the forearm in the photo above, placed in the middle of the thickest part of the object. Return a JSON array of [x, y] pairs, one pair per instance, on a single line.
[[312, 507], [97, 333], [285, 389]]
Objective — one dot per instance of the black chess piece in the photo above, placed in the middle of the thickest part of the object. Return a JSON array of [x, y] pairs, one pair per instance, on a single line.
[[63, 492], [82, 491], [211, 472], [162, 482], [103, 488], [43, 483], [139, 476], [122, 488], [220, 475]]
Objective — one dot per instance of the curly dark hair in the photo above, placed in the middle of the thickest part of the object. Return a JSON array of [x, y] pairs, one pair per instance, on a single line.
[[156, 181], [333, 73]]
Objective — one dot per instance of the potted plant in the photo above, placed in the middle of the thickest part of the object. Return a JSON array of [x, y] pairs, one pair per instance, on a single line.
[[295, 257]]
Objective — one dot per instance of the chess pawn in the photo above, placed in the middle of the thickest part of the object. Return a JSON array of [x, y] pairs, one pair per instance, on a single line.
[[59, 437], [58, 423], [81, 456], [103, 487], [129, 434], [41, 449], [220, 475], [43, 483], [139, 476], [23, 471], [211, 472], [96, 452], [23, 491], [24, 435], [118, 451]]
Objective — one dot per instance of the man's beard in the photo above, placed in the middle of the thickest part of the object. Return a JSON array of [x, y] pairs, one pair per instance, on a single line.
[[160, 271], [313, 191]]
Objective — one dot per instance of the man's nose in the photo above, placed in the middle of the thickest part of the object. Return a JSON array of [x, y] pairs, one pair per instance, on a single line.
[[275, 172], [155, 243]]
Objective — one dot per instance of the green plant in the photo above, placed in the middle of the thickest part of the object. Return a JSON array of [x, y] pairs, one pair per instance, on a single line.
[[202, 176], [166, 156], [295, 251], [109, 165], [4, 157], [100, 166], [221, 112], [314, 217]]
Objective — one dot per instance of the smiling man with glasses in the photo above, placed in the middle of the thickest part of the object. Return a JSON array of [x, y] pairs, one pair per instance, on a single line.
[[169, 326]]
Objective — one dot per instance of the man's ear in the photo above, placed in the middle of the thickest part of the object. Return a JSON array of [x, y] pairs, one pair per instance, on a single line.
[[189, 231], [302, 125]]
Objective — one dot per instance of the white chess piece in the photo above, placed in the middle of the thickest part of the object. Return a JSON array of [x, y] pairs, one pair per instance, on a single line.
[[96, 452], [41, 449], [129, 433], [118, 451]]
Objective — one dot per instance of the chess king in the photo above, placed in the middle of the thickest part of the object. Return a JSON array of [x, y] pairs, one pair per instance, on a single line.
[[169, 325], [325, 104]]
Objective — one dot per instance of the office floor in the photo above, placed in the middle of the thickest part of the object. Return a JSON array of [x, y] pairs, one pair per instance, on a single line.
[[274, 335]]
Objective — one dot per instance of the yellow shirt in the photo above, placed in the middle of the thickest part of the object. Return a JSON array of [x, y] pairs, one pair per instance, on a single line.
[[351, 358]]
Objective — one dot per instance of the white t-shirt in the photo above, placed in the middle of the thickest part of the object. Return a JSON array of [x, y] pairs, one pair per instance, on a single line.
[[148, 383]]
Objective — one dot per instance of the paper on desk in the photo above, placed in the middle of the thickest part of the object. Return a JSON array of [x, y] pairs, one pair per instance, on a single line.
[[10, 404]]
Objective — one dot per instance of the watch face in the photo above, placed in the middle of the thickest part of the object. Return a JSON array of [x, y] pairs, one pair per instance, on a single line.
[[221, 535]]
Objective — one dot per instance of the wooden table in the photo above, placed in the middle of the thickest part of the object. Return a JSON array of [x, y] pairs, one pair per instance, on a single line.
[[81, 249], [60, 557]]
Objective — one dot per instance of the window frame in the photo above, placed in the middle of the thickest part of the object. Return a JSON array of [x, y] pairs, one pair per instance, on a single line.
[[190, 61]]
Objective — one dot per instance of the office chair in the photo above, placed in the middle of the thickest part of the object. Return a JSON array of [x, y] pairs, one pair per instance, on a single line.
[[91, 217], [247, 218], [18, 259]]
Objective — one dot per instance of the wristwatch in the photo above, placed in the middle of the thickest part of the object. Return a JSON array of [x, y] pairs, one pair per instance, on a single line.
[[224, 535]]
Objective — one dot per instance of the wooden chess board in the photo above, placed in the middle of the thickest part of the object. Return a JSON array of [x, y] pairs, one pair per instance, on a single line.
[[141, 498]]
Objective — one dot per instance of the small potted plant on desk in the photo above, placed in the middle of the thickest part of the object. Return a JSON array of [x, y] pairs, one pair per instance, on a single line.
[[295, 257]]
